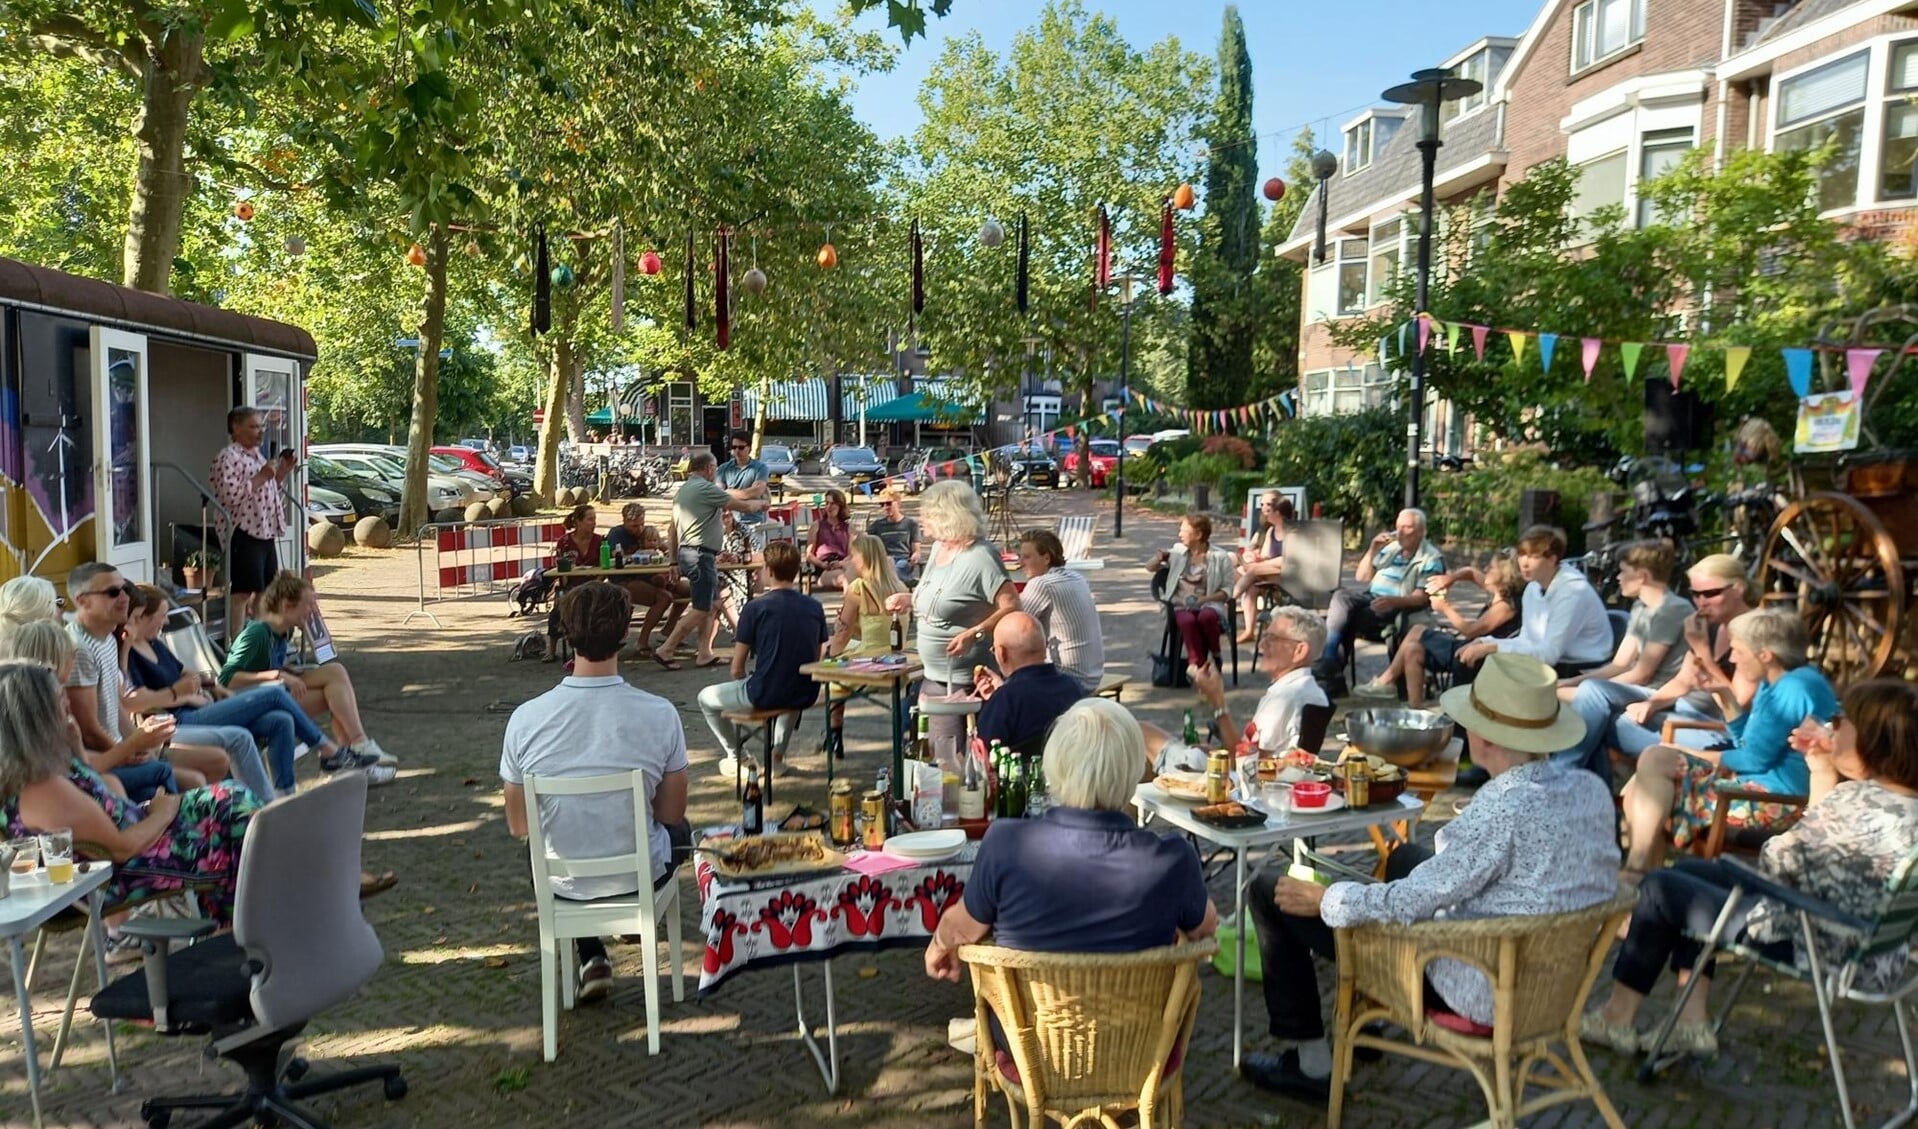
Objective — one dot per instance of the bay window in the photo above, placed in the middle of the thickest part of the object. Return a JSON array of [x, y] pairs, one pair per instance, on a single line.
[[1825, 106]]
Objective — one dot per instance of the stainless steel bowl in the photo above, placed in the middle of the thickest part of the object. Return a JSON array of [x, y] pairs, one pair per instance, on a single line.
[[1406, 738]]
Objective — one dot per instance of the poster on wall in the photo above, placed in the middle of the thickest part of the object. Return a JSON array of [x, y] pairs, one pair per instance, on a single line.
[[1827, 421]]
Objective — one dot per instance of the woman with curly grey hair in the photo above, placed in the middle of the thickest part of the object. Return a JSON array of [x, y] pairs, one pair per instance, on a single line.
[[962, 594]]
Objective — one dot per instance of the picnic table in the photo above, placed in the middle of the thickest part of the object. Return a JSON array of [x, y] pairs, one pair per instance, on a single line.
[[891, 671]]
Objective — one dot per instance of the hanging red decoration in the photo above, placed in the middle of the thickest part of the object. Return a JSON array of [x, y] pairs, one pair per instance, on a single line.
[[243, 211], [650, 263], [1101, 255], [1275, 189], [828, 256], [692, 313], [416, 255], [722, 275], [1183, 198], [1167, 248]]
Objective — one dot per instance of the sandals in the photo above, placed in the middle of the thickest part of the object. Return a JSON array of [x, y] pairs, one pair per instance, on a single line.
[[372, 886], [714, 661], [662, 660], [1593, 1030]]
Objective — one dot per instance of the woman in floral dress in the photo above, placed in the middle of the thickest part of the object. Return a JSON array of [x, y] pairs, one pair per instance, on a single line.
[[1861, 823], [178, 841]]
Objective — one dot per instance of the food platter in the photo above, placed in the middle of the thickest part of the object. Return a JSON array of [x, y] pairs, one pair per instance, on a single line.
[[1231, 815], [764, 856], [1185, 787]]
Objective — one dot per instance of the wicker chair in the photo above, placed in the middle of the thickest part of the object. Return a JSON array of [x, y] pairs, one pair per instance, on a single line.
[[1089, 1035], [1541, 970]]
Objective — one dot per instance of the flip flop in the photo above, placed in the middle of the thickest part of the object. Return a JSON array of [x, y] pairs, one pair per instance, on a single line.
[[372, 886], [714, 661], [662, 660]]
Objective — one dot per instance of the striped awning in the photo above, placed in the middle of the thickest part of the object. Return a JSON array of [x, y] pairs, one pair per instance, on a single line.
[[789, 400]]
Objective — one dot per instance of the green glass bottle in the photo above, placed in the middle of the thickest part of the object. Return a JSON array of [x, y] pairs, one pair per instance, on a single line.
[[1191, 734]]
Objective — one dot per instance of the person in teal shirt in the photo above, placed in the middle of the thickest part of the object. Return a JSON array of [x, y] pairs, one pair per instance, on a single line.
[[1681, 784]]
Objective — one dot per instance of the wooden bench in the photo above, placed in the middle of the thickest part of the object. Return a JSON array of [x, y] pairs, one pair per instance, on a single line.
[[1111, 686], [767, 721]]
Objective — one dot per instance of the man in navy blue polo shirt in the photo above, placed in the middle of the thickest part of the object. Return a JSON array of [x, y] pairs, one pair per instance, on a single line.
[[1083, 878], [1023, 704]]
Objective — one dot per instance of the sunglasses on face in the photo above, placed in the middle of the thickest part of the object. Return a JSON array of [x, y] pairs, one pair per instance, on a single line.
[[1709, 593], [126, 590]]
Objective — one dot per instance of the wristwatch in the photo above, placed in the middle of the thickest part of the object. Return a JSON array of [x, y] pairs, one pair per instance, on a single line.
[[979, 635]]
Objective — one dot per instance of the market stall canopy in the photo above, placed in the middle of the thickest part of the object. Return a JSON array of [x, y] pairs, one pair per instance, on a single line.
[[921, 407]]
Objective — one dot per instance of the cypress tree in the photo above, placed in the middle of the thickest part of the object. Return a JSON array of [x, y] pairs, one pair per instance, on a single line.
[[1219, 360]]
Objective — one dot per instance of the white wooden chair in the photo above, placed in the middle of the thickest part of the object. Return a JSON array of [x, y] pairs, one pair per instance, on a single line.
[[561, 920], [1075, 536]]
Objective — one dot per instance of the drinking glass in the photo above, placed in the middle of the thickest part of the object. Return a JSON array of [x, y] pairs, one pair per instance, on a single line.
[[56, 847], [26, 856], [1275, 797]]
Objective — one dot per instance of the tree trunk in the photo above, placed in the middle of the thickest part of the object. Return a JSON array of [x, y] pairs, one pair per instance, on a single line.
[[1084, 441], [576, 393], [558, 381], [415, 509], [759, 413], [171, 77]]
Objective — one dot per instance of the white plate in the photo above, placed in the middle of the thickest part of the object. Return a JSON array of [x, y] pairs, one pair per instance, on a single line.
[[1195, 781], [1333, 803], [927, 846]]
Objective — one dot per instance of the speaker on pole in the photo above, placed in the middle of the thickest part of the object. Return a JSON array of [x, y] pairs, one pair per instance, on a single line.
[[1675, 421]]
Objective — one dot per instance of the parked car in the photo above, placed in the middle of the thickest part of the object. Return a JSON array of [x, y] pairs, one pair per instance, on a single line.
[[512, 482], [1137, 445], [368, 495], [519, 454], [1031, 466], [444, 491], [855, 464], [485, 445], [778, 459], [325, 505], [1105, 458]]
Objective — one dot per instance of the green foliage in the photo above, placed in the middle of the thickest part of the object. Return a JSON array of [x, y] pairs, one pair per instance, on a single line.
[[1219, 358], [1161, 456], [1235, 486], [1209, 469], [1349, 463], [1234, 447], [1479, 507], [1278, 286]]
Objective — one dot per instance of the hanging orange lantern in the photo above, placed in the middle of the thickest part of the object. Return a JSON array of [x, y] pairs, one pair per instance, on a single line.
[[243, 211], [416, 255], [1183, 198], [828, 256], [1274, 189], [650, 263]]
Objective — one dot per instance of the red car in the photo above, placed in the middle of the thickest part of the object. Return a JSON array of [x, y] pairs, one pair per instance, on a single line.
[[478, 461], [1105, 459]]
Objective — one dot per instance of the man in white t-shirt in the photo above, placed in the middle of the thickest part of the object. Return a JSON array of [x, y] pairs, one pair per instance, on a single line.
[[1286, 650], [594, 722]]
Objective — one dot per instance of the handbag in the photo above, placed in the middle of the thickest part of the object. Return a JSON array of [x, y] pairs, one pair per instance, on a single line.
[[1168, 671]]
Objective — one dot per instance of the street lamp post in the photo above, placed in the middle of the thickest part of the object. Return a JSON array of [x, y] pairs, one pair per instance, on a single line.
[[1032, 344], [1126, 283], [1429, 90], [1324, 167]]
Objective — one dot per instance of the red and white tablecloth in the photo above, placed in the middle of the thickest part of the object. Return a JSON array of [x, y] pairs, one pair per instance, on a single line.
[[814, 917]]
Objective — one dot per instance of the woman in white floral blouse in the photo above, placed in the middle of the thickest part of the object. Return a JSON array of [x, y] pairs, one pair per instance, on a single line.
[[1862, 821]]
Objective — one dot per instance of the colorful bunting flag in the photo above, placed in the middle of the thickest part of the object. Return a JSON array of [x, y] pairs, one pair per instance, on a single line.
[[1425, 330], [1735, 358], [1478, 339], [1403, 326], [1675, 360], [1858, 364], [1451, 337], [1546, 343], [1629, 352], [1798, 371], [1589, 354], [1517, 338]]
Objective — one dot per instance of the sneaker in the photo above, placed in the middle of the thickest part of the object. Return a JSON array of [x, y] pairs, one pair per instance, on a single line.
[[379, 774], [346, 759], [1280, 1074], [729, 766], [368, 745], [595, 980], [1594, 1031], [122, 950], [1376, 689]]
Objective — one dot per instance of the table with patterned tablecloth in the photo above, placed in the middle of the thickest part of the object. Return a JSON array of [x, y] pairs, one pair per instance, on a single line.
[[810, 918]]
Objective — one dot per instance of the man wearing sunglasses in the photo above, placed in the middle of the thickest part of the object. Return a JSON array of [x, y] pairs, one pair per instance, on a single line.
[[746, 477], [96, 695]]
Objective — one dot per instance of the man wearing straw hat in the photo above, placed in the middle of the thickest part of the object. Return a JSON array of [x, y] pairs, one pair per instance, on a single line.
[[1540, 838]]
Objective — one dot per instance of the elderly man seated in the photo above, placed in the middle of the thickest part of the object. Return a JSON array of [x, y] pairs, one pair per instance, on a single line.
[[1033, 692], [1539, 839], [1285, 654], [1394, 574]]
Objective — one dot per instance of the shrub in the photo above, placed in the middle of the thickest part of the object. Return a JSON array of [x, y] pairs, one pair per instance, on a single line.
[[1479, 507], [1352, 464], [1235, 447], [1205, 468], [1235, 486]]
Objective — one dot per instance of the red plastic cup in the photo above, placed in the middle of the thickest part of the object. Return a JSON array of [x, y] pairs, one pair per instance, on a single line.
[[1311, 794]]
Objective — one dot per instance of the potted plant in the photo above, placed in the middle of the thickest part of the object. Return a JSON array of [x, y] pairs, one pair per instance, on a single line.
[[199, 568]]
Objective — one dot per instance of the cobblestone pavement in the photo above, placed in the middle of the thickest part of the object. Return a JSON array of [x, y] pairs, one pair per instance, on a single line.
[[457, 1003]]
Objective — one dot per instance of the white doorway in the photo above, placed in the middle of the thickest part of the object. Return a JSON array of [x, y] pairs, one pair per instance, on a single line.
[[123, 481]]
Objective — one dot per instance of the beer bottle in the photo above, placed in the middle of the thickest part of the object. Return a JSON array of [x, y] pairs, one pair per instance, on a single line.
[[1016, 788], [605, 555], [1191, 734], [1037, 799], [925, 735], [752, 816], [896, 637]]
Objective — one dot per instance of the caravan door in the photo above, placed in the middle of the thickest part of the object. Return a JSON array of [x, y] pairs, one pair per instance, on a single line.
[[273, 386], [123, 485]]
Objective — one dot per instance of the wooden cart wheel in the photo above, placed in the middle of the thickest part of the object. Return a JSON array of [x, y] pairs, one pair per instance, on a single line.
[[1829, 558]]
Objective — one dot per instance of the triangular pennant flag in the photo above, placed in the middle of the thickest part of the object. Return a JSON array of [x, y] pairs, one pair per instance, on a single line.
[[1675, 360], [1517, 338], [1798, 371], [1403, 326], [1383, 355], [1425, 330], [1735, 358], [1478, 339], [1451, 337], [1629, 352], [1546, 343], [1858, 364], [1589, 350]]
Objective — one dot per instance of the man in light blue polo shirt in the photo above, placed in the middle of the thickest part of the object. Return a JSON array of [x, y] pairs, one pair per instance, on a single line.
[[1394, 572], [746, 477]]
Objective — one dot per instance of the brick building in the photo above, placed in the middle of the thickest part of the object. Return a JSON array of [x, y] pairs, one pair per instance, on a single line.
[[1622, 89]]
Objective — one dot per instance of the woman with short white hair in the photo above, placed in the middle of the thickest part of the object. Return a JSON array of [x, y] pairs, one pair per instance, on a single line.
[[962, 594], [25, 599], [1084, 878]]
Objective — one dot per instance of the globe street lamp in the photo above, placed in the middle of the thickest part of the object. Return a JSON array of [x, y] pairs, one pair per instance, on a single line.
[[1429, 90], [1324, 167]]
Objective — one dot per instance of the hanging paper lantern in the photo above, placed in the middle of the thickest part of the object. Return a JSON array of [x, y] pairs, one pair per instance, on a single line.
[[650, 263], [416, 255], [295, 246], [828, 256], [562, 276], [1183, 198], [754, 281], [243, 211], [473, 248], [1274, 189], [991, 235]]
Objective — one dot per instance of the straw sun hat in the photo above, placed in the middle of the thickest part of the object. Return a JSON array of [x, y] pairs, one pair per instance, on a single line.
[[1514, 704]]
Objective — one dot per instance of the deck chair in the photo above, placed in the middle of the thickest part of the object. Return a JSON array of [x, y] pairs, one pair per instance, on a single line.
[[1890, 929], [1075, 535], [186, 637]]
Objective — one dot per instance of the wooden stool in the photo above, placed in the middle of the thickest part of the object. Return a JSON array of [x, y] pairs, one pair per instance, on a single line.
[[768, 721], [1111, 686]]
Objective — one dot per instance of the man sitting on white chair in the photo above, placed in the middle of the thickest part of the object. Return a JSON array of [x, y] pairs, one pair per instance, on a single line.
[[593, 723]]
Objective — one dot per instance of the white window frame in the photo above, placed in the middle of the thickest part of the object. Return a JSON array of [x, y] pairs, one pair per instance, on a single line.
[[1346, 388], [1350, 249], [1462, 108], [1359, 136], [1647, 141], [1877, 55], [1624, 157], [1893, 96], [1374, 284], [1587, 19]]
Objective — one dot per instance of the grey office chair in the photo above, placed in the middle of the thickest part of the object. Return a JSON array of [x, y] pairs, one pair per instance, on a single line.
[[299, 945]]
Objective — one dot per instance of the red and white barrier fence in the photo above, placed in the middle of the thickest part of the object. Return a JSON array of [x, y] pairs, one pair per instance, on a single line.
[[482, 558]]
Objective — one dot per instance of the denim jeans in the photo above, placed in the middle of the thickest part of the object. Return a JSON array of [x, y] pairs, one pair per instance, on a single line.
[[240, 749], [144, 779], [277, 723], [1634, 738], [1600, 702], [716, 699]]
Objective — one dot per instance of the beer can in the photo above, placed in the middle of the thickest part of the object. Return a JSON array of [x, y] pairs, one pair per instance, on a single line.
[[845, 811], [873, 806], [1358, 783]]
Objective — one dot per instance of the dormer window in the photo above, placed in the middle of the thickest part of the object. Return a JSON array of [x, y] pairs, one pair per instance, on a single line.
[[1482, 66], [1364, 140], [1603, 28]]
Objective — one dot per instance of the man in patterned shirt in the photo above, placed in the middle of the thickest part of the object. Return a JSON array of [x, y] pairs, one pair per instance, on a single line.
[[1541, 838], [247, 486]]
